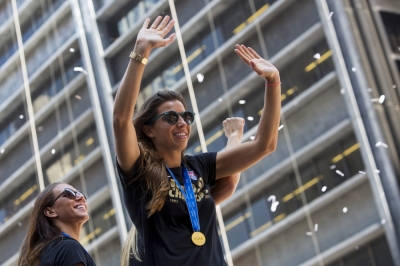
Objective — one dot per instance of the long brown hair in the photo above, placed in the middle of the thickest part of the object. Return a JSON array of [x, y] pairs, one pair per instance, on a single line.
[[41, 230], [150, 163]]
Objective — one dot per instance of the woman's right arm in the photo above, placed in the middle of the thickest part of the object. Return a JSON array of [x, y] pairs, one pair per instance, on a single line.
[[126, 144]]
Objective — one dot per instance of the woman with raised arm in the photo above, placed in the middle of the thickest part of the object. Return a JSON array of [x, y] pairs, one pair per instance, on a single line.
[[167, 193], [54, 228]]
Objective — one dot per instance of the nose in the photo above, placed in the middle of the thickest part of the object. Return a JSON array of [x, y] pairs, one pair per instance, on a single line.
[[79, 197], [181, 122]]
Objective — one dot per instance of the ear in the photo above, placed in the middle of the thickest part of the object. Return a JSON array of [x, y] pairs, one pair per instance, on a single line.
[[50, 212], [148, 130]]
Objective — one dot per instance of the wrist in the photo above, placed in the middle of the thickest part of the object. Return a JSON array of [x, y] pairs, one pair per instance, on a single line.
[[142, 48], [273, 79]]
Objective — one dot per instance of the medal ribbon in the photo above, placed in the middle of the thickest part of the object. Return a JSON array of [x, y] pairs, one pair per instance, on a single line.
[[189, 197]]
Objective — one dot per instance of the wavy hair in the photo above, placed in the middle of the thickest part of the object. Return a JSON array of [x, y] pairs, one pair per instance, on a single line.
[[150, 168], [41, 230], [150, 164]]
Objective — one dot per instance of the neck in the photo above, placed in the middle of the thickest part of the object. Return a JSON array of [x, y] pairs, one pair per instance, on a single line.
[[172, 159], [73, 230]]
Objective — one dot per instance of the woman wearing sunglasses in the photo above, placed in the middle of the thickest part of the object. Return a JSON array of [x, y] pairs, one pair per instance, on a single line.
[[54, 228], [167, 193]]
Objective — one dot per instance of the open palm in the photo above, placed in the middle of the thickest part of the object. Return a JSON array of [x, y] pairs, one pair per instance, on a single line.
[[261, 66]]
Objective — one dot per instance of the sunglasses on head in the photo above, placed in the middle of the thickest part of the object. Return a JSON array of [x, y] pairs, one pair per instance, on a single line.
[[172, 117], [69, 193]]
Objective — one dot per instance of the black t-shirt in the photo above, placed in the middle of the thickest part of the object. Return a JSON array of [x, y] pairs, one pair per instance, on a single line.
[[165, 237], [65, 251]]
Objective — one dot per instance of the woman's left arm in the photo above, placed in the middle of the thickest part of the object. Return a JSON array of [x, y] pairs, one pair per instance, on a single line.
[[225, 187], [247, 154]]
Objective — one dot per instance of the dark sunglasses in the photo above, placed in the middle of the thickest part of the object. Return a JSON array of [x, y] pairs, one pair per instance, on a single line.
[[69, 193], [172, 117]]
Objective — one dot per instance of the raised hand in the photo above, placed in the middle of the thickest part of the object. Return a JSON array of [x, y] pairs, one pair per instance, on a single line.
[[154, 36], [233, 126], [261, 66]]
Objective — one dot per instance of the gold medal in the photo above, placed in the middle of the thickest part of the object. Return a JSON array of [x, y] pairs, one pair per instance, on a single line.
[[198, 238]]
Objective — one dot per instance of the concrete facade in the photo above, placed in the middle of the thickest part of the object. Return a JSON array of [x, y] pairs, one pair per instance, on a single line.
[[329, 194]]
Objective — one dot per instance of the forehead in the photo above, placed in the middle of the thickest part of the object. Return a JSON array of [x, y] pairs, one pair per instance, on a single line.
[[176, 106], [60, 188]]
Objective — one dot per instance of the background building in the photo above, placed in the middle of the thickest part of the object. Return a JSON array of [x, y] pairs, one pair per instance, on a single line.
[[329, 194]]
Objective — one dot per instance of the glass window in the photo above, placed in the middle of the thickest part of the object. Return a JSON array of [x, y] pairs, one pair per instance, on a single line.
[[18, 198], [391, 22], [68, 156], [101, 220]]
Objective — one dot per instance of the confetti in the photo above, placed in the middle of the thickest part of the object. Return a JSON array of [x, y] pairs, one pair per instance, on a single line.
[[323, 188], [353, 69], [317, 56], [21, 117], [316, 227], [332, 167], [339, 173], [342, 91], [71, 50], [53, 151], [220, 99], [80, 69], [330, 16], [2, 151], [78, 97], [252, 137], [250, 118], [345, 209], [309, 233], [383, 221], [280, 127], [380, 143], [200, 78], [242, 102], [377, 171], [381, 99], [362, 172]]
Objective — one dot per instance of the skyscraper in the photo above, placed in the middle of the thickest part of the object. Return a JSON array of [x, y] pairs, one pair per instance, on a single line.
[[329, 194]]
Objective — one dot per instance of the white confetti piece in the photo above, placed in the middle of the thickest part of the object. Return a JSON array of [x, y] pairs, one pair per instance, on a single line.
[[323, 188], [2, 151], [200, 78], [332, 167], [353, 69], [345, 209], [377, 171], [309, 233], [362, 172], [330, 15], [381, 99], [317, 56], [280, 127], [252, 137], [53, 151], [339, 173], [316, 227], [383, 221], [71, 50], [21, 116], [78, 97], [380, 143], [342, 91]]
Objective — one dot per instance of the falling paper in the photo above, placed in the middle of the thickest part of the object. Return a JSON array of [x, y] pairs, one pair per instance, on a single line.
[[330, 15], [339, 173]]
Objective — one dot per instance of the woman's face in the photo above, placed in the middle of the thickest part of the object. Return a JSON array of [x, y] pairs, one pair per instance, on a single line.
[[168, 137], [67, 210]]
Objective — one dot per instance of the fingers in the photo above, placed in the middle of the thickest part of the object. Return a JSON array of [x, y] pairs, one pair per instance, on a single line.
[[146, 23], [156, 22], [242, 56], [254, 53], [170, 39], [163, 23]]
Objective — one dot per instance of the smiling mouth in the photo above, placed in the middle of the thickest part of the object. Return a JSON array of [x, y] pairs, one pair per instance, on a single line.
[[180, 135], [80, 207]]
